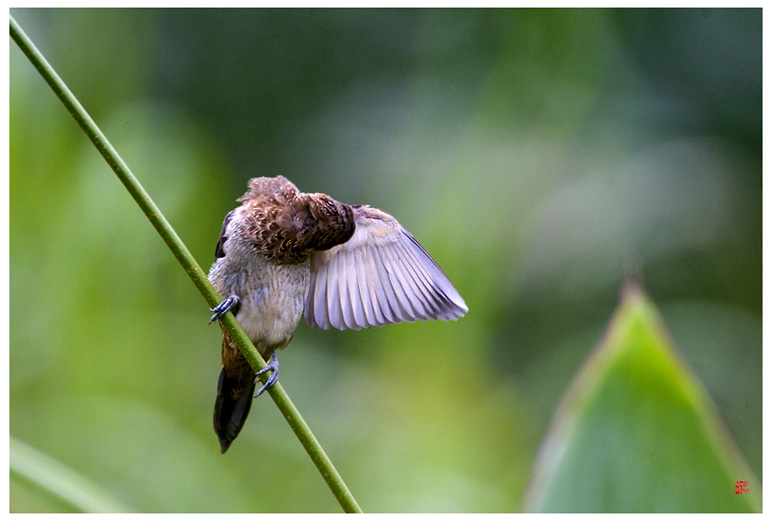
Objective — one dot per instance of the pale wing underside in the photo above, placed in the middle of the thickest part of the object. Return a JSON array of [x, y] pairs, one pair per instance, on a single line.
[[380, 276]]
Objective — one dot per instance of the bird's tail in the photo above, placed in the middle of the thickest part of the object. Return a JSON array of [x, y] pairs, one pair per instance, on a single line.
[[231, 408]]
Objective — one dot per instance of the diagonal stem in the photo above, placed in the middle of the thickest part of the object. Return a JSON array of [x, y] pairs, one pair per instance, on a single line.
[[192, 268]]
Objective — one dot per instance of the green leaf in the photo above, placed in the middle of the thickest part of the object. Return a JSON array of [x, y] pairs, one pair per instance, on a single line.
[[637, 432], [31, 466]]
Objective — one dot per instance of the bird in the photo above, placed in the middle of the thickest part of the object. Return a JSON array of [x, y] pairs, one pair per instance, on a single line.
[[284, 253]]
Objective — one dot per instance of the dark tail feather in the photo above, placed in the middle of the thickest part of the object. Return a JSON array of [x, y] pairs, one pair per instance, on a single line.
[[234, 398]]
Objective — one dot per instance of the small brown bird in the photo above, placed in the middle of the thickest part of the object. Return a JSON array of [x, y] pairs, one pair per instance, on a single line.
[[284, 253]]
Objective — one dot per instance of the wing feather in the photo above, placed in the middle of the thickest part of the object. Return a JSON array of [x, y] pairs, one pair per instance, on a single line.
[[382, 275], [334, 306], [368, 271], [319, 308], [344, 296], [387, 299], [419, 283], [356, 299], [406, 297], [413, 288], [451, 304]]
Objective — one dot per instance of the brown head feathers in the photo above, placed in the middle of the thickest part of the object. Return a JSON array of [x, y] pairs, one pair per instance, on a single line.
[[287, 225]]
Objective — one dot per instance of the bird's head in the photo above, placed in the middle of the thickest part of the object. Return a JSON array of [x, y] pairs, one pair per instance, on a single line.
[[328, 222]]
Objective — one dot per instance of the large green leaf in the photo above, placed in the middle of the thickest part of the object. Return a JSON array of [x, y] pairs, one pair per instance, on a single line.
[[56, 481], [637, 432]]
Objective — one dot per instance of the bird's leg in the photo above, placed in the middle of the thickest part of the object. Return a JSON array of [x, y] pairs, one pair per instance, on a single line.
[[272, 366], [230, 303]]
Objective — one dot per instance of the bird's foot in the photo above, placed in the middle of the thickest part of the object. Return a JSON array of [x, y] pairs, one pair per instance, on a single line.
[[272, 366], [230, 303]]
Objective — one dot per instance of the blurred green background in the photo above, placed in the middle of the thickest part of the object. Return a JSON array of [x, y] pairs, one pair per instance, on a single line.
[[539, 155]]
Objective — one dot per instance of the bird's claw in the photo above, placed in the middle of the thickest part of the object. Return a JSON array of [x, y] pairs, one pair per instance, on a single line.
[[272, 366], [230, 303]]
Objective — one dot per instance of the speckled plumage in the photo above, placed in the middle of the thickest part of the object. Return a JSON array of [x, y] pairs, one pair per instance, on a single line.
[[284, 253]]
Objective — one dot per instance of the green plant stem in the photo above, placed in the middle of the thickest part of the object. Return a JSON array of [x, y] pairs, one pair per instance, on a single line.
[[192, 268]]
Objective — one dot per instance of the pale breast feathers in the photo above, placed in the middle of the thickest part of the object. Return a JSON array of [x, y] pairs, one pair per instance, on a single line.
[[380, 276]]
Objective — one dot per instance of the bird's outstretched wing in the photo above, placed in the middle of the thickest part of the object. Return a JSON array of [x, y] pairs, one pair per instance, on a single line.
[[379, 276]]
